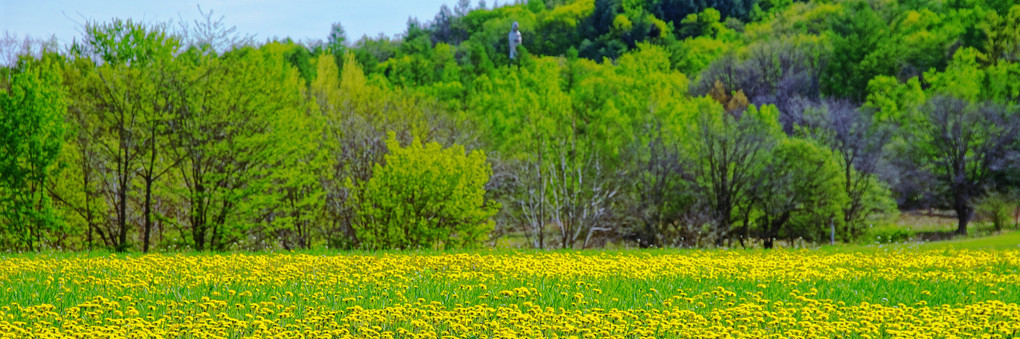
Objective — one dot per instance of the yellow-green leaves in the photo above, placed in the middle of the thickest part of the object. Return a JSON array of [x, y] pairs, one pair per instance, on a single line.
[[425, 196], [962, 79]]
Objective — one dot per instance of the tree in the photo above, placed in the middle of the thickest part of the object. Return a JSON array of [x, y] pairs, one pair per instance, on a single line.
[[357, 115], [998, 207], [781, 73], [211, 35], [224, 134], [730, 149], [581, 191], [77, 187], [799, 191], [441, 27], [676, 10], [299, 171], [859, 31], [707, 23], [157, 161], [425, 196], [337, 41], [965, 143], [858, 143], [13, 48], [126, 89], [597, 42], [31, 132], [644, 109], [663, 196], [462, 8], [1003, 36]]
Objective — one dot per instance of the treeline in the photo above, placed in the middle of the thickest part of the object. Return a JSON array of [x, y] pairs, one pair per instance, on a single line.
[[656, 123]]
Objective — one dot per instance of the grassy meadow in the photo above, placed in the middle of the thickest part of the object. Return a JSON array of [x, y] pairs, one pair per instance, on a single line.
[[961, 288], [163, 179]]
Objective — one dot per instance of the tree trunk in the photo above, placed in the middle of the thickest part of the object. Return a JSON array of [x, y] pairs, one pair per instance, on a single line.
[[963, 214], [960, 205], [198, 235], [832, 230], [148, 190], [564, 238], [122, 195], [37, 223], [723, 223], [28, 225], [91, 225], [773, 229], [746, 229], [541, 197], [198, 217], [88, 202], [148, 214]]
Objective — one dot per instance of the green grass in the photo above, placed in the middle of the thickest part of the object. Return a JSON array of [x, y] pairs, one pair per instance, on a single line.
[[25, 287], [1004, 240], [944, 274], [432, 285]]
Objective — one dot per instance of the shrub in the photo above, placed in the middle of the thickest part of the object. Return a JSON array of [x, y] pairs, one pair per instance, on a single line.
[[997, 207], [424, 196], [888, 235]]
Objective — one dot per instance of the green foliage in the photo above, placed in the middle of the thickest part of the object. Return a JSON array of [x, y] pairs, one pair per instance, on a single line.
[[127, 100], [858, 35], [707, 23], [425, 196], [31, 132], [895, 103], [125, 42], [663, 122], [875, 199], [997, 207], [801, 191], [888, 236], [698, 53], [962, 79], [244, 121], [1002, 31]]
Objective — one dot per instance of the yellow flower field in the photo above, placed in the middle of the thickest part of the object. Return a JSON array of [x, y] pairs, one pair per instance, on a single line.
[[630, 294]]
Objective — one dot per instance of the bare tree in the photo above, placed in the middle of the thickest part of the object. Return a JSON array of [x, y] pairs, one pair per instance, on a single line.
[[532, 201], [859, 143], [728, 152], [462, 8], [967, 143], [211, 34], [12, 47], [776, 73], [442, 25], [581, 192]]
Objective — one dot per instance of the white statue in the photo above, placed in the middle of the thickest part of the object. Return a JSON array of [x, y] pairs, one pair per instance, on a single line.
[[515, 40]]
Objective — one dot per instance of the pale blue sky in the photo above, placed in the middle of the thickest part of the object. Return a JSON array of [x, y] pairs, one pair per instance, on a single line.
[[300, 20]]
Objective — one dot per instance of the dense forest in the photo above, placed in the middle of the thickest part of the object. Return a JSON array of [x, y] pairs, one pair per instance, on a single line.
[[666, 123]]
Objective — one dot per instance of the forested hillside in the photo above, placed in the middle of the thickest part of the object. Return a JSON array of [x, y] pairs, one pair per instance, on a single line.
[[642, 123]]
